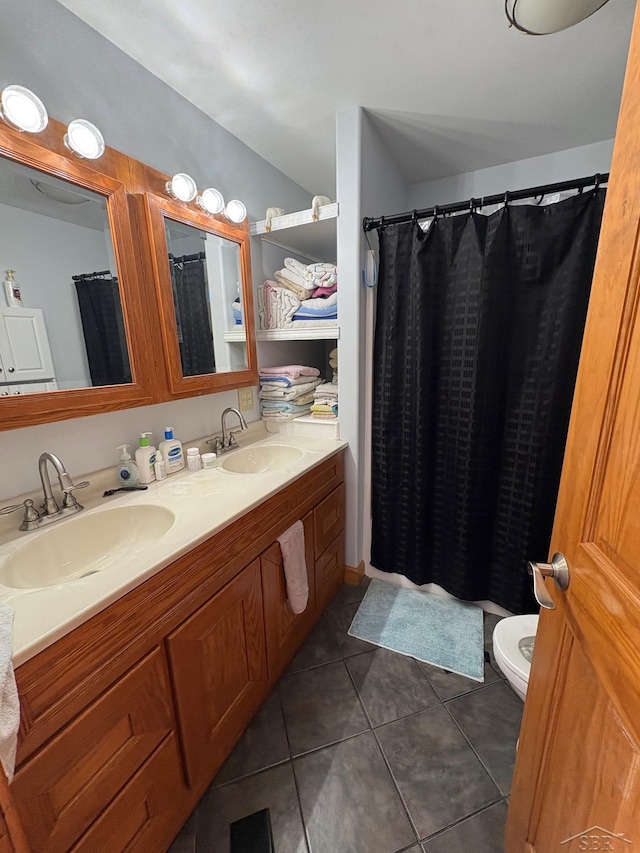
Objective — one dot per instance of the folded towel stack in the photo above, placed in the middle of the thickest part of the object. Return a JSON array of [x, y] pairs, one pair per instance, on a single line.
[[299, 293], [287, 392], [325, 401]]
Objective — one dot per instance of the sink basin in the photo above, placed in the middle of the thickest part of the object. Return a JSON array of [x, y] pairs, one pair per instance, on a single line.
[[261, 459], [84, 545]]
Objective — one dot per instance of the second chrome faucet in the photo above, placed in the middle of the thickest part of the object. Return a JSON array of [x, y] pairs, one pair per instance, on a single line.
[[227, 442]]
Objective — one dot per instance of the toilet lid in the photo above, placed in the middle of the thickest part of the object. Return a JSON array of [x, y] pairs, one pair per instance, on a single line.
[[506, 637]]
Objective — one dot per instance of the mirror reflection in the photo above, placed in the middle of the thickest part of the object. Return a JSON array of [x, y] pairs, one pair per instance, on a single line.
[[206, 279], [61, 326]]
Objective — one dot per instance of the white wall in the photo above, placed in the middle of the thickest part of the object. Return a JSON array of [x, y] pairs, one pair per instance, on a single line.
[[561, 166], [77, 72], [367, 179], [45, 253]]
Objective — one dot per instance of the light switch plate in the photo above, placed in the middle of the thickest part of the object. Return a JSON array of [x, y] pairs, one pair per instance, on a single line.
[[245, 399]]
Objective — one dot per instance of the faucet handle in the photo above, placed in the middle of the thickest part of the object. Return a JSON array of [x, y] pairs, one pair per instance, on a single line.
[[30, 512], [216, 442], [5, 510], [68, 498]]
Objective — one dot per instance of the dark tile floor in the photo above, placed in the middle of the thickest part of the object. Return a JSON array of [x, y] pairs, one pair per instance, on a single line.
[[361, 750]]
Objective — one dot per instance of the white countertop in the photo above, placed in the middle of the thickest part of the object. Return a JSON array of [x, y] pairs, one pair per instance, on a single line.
[[204, 502]]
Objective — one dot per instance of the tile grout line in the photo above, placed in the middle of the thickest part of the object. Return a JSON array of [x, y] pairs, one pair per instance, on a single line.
[[307, 839], [461, 820]]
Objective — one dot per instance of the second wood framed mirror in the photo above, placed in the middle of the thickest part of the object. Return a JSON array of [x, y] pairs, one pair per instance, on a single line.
[[202, 270]]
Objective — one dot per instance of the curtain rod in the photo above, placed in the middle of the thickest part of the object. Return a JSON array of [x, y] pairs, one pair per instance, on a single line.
[[369, 222]]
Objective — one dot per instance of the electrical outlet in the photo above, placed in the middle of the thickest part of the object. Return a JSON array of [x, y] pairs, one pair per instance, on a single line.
[[245, 399]]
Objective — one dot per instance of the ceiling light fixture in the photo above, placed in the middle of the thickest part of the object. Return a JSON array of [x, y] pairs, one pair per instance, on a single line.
[[84, 139], [211, 200], [23, 110], [182, 187], [58, 194], [541, 17], [235, 211]]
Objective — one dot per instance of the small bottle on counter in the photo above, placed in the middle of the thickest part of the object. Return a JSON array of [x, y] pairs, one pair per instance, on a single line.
[[160, 467], [11, 290], [209, 460], [193, 459]]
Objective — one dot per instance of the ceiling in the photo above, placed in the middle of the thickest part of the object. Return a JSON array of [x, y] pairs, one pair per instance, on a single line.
[[449, 86]]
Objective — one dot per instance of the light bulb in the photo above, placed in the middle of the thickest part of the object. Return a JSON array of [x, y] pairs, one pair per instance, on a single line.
[[23, 110], [211, 200], [182, 187], [84, 139], [235, 211]]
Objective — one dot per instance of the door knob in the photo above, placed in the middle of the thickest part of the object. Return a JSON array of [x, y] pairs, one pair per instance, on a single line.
[[558, 569]]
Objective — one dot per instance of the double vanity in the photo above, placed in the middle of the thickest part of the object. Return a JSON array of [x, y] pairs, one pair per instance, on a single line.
[[149, 628]]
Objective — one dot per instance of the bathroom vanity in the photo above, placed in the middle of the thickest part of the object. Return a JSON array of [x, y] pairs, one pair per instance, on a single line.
[[127, 717]]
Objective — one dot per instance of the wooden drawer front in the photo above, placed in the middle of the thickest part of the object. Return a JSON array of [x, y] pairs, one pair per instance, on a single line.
[[63, 788], [142, 817], [285, 629], [219, 669], [329, 519], [330, 572]]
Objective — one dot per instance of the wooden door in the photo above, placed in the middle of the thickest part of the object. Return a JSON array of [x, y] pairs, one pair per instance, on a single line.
[[577, 777], [285, 630], [219, 670]]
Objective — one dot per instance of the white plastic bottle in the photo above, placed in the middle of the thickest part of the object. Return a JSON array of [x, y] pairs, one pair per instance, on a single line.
[[146, 459], [171, 450], [11, 290], [127, 470], [193, 459]]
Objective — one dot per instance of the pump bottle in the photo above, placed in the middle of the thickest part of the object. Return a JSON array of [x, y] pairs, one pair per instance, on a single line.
[[127, 470], [171, 450], [145, 459]]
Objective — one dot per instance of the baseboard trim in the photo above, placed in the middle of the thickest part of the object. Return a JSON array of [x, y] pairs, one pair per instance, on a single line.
[[354, 574]]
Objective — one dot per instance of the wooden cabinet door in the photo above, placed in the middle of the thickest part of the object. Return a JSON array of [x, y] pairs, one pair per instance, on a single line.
[[64, 787], [577, 776], [330, 572], [219, 670], [285, 630], [328, 519]]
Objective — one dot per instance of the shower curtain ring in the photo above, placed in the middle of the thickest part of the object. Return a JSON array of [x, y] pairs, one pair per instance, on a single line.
[[436, 211], [598, 179], [414, 216], [506, 198]]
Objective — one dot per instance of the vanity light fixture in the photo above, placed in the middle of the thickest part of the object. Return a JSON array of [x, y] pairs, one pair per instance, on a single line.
[[211, 200], [84, 139], [182, 187], [541, 17], [235, 211], [22, 109]]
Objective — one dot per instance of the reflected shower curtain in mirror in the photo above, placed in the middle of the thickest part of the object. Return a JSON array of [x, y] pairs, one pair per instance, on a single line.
[[191, 302], [478, 333], [103, 328]]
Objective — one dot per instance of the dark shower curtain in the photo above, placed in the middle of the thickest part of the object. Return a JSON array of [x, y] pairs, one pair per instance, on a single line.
[[190, 299], [103, 328], [478, 333]]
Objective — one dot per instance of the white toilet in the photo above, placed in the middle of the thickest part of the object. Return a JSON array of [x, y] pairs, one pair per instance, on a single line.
[[513, 640]]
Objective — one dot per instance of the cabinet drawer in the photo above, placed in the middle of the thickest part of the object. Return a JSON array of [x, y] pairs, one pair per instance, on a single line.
[[328, 519], [64, 787], [219, 670], [330, 572], [285, 629], [142, 817]]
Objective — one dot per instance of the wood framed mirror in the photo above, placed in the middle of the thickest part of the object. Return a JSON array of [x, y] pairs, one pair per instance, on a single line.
[[79, 344], [202, 271]]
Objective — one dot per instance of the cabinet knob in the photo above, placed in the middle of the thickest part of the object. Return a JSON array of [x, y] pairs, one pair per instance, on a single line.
[[12, 370]]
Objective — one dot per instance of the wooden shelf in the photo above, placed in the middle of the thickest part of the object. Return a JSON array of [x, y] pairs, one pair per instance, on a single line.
[[304, 334], [299, 233]]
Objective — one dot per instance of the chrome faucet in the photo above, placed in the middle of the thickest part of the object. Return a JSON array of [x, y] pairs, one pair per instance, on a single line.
[[227, 442], [50, 511]]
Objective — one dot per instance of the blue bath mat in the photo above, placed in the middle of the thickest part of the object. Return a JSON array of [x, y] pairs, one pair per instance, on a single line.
[[436, 630]]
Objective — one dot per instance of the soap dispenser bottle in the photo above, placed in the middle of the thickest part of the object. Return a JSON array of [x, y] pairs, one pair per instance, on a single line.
[[127, 470], [146, 459], [171, 450]]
